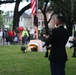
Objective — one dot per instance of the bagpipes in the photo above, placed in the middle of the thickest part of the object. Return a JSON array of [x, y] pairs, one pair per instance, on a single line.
[[45, 45], [45, 40]]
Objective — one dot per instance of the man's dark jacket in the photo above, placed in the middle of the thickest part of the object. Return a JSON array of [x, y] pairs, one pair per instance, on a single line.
[[58, 40]]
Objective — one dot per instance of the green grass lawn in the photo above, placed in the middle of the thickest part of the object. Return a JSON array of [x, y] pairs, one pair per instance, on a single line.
[[15, 62]]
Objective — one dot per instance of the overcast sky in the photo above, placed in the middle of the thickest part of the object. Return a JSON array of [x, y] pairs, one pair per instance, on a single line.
[[10, 6]]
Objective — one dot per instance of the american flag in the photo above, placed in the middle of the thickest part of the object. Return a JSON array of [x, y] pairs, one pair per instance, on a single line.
[[33, 7]]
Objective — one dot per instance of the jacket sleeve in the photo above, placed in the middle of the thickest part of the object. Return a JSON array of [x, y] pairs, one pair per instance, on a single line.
[[51, 38], [27, 34]]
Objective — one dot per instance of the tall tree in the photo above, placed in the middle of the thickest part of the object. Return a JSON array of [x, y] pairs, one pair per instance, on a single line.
[[1, 19], [7, 1], [67, 8], [64, 7], [43, 5], [17, 13]]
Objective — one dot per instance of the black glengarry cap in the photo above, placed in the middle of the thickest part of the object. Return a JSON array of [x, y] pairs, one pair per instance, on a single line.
[[61, 18]]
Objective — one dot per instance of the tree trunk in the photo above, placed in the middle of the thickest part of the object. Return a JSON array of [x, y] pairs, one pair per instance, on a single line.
[[45, 22], [16, 15], [70, 26], [70, 29]]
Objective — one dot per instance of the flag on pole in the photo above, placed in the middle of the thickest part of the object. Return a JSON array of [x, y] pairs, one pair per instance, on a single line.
[[33, 7], [34, 12]]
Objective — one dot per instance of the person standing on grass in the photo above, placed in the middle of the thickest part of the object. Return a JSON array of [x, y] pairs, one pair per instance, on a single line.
[[11, 36], [25, 35], [58, 40], [1, 34]]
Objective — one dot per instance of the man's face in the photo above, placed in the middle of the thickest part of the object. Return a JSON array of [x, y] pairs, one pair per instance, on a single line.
[[57, 22]]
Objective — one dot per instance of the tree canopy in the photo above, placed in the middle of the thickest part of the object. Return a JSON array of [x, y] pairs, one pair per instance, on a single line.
[[65, 7], [68, 9], [1, 19], [17, 13], [7, 1]]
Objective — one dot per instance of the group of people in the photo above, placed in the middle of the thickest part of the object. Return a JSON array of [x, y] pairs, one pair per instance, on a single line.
[[1, 35], [6, 36], [9, 36]]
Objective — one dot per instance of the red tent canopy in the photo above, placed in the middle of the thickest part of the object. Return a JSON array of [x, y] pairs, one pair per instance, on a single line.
[[20, 28]]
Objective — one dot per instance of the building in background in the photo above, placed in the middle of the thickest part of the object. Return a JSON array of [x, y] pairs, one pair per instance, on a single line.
[[41, 20], [25, 19]]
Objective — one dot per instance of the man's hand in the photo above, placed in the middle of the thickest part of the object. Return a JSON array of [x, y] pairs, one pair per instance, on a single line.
[[46, 36]]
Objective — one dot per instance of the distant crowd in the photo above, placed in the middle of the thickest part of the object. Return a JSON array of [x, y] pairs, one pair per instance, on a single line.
[[9, 36]]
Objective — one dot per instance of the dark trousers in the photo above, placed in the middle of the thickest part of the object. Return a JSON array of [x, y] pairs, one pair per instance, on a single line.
[[24, 40], [57, 68], [11, 39], [74, 53], [47, 48]]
